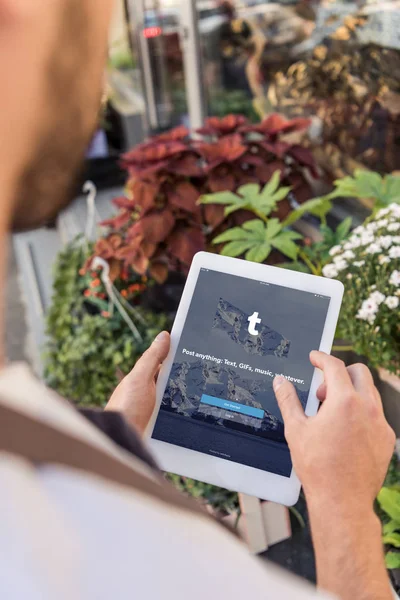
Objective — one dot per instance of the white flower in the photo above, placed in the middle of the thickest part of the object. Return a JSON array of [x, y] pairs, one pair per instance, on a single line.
[[385, 241], [353, 242], [367, 311], [329, 271], [372, 287], [349, 254], [395, 278], [396, 239], [340, 263], [358, 230], [392, 302], [373, 248], [377, 329], [394, 227], [349, 276], [382, 223], [371, 227], [334, 250], [383, 212], [394, 252], [359, 263], [366, 238], [382, 260], [395, 209], [376, 297]]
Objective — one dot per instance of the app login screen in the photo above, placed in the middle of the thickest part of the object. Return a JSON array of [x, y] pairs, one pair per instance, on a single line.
[[240, 333]]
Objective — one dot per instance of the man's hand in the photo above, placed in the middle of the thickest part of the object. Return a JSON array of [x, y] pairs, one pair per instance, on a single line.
[[135, 397], [341, 457]]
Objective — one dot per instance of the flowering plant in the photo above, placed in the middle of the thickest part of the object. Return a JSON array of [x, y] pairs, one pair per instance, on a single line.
[[161, 225], [368, 262]]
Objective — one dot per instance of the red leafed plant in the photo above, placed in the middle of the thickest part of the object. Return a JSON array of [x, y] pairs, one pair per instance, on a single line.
[[160, 225]]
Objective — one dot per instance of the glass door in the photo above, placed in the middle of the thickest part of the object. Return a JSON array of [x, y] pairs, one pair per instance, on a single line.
[[157, 28]]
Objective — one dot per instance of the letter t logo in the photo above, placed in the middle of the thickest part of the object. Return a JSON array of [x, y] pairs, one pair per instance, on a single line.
[[253, 321]]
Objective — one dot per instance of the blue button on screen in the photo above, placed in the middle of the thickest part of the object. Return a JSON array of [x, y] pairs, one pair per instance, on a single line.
[[243, 409]]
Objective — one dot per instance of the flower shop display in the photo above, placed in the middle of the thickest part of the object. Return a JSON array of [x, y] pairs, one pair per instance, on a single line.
[[368, 263], [161, 225], [90, 347]]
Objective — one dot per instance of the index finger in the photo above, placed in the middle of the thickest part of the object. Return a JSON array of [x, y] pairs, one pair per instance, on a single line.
[[335, 372]]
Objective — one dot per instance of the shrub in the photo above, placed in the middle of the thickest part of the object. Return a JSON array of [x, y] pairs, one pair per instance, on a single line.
[[161, 225], [89, 347], [368, 263]]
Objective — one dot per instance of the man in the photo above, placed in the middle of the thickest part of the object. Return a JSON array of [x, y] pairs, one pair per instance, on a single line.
[[86, 517]]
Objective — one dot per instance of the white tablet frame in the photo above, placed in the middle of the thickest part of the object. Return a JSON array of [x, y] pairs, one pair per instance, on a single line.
[[218, 471]]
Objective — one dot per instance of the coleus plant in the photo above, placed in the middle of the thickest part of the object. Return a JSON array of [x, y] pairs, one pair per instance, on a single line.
[[161, 225]]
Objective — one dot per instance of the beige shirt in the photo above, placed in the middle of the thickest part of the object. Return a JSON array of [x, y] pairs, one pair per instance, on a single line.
[[70, 534]]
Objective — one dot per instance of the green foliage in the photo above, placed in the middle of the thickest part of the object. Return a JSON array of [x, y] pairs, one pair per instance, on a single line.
[[86, 351], [368, 184], [257, 238], [232, 102], [389, 512], [223, 501], [251, 197], [315, 256]]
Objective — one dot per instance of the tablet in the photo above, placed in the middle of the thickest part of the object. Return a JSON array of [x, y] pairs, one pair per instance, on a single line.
[[238, 325]]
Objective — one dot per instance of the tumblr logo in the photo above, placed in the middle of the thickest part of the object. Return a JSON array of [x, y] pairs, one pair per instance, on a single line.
[[253, 321]]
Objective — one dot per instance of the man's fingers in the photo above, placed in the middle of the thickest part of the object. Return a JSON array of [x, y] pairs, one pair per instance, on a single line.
[[364, 383], [335, 373], [321, 392], [147, 366], [288, 401]]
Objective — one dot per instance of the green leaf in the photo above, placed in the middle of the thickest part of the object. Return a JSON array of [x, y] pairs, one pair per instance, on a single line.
[[281, 194], [236, 233], [272, 185], [237, 206], [389, 500], [343, 229], [259, 253], [391, 527], [318, 207], [392, 188], [392, 539], [273, 228], [255, 225], [218, 198], [392, 560], [236, 248], [286, 246], [249, 190]]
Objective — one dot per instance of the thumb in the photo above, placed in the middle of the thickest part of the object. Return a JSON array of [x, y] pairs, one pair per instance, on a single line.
[[288, 402], [147, 366]]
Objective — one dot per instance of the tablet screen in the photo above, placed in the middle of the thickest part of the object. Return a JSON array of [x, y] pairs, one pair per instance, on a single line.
[[239, 333]]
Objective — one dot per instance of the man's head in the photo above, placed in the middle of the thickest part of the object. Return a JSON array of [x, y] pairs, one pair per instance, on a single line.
[[52, 58]]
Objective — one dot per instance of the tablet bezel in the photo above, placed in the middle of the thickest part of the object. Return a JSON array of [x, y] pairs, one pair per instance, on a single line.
[[218, 471]]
